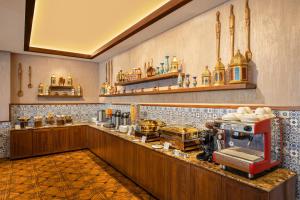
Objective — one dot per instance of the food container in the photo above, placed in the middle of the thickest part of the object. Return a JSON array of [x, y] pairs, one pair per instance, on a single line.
[[149, 126], [60, 120], [38, 121], [50, 119], [184, 138], [69, 119], [23, 121]]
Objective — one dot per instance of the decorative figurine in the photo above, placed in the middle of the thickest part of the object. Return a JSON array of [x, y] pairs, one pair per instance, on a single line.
[[150, 69], [61, 81], [79, 90], [53, 80], [167, 65], [238, 71], [180, 80], [206, 77], [41, 89], [187, 80], [231, 30], [219, 72], [69, 80], [248, 53], [157, 71], [162, 70], [180, 68], [174, 64], [195, 81]]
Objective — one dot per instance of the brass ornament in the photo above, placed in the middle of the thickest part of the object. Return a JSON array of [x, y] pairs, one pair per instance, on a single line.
[[232, 29], [29, 77], [238, 69], [206, 77], [248, 53], [20, 75], [219, 72]]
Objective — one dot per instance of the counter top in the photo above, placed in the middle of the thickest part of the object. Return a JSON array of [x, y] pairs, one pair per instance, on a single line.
[[266, 182]]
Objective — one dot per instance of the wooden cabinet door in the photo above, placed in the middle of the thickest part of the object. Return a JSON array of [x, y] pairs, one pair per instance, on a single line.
[[205, 185], [130, 160], [20, 143], [157, 174], [42, 141], [177, 179], [92, 138], [234, 190], [77, 137], [60, 139]]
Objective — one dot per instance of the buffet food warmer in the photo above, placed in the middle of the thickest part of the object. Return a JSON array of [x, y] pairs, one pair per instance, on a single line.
[[149, 128], [184, 138]]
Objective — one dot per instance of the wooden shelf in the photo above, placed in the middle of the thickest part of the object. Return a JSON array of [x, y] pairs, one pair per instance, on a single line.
[[60, 87], [149, 79], [60, 96], [186, 90]]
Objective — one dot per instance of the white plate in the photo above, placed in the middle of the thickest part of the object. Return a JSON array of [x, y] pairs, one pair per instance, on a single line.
[[157, 146], [136, 140]]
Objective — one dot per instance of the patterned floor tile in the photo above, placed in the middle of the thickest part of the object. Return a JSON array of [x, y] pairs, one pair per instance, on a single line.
[[76, 175]]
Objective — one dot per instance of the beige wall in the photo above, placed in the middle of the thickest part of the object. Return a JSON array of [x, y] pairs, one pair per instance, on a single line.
[[275, 31], [83, 73], [5, 85]]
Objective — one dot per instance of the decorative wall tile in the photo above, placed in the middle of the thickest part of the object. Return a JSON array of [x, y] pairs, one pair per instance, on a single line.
[[4, 139]]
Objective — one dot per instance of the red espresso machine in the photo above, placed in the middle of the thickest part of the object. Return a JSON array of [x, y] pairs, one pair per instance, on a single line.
[[248, 146]]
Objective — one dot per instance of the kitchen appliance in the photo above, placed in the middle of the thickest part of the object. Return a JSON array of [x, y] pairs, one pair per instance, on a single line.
[[110, 123], [125, 118], [248, 146], [184, 138], [117, 119], [102, 116]]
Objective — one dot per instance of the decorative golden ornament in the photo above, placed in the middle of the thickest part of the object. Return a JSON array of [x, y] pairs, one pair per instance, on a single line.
[[248, 52], [219, 73], [238, 69], [206, 77], [174, 64]]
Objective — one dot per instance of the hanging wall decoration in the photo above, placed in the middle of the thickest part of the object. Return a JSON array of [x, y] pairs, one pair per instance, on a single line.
[[232, 30], [248, 53], [20, 75], [29, 77], [219, 72]]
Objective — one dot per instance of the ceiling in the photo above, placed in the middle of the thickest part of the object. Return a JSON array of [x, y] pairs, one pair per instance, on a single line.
[[84, 27]]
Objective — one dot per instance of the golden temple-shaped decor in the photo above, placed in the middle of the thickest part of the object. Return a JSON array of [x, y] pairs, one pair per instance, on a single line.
[[238, 69]]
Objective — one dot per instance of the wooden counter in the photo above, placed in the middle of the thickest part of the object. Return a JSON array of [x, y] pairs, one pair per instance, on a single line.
[[157, 171]]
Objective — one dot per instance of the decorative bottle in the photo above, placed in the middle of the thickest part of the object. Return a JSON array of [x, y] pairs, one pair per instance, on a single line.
[[161, 70], [180, 80], [167, 65], [69, 80], [195, 81], [187, 80]]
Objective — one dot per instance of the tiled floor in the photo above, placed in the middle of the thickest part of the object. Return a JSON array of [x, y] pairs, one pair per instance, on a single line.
[[73, 175]]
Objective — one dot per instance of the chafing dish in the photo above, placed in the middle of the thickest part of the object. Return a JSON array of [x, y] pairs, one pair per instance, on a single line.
[[23, 121], [184, 138], [38, 121], [149, 126], [50, 119], [69, 119], [60, 120]]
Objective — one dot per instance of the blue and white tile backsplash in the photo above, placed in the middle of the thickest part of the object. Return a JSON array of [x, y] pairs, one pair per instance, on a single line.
[[172, 115]]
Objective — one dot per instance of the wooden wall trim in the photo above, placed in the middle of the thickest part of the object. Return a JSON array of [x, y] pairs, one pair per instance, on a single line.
[[14, 104], [30, 4], [147, 21], [225, 106], [158, 14]]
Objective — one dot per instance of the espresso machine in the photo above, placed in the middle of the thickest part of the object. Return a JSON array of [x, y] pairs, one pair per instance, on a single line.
[[110, 123], [248, 146]]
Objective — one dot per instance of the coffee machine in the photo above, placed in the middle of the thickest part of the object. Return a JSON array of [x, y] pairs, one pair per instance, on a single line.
[[248, 146], [110, 118]]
